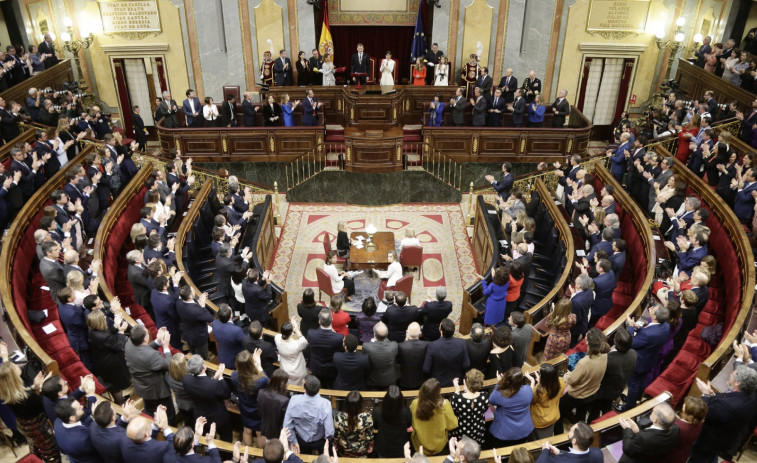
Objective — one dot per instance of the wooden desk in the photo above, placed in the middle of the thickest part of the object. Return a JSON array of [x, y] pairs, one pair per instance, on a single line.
[[362, 259], [373, 150]]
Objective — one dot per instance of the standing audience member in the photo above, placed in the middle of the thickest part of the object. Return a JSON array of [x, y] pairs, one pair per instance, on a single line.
[[138, 445], [367, 319], [411, 354], [470, 406], [502, 355], [398, 317], [647, 342], [108, 352], [391, 420], [148, 368], [433, 418], [308, 311], [494, 313], [511, 400], [560, 321], [72, 430], [352, 367], [195, 317], [690, 424], [228, 336], [248, 380], [291, 358], [209, 395], [653, 443], [447, 357], [340, 318], [581, 437], [433, 312], [272, 405], [176, 371], [382, 354], [478, 345], [621, 362], [324, 342], [353, 428], [545, 406], [254, 340], [308, 416], [522, 333]]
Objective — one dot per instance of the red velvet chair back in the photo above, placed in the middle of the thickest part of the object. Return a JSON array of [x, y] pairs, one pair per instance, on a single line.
[[405, 284], [324, 283], [412, 256], [326, 245]]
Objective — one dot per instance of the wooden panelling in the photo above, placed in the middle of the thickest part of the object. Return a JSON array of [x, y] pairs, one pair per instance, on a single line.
[[695, 81], [51, 78]]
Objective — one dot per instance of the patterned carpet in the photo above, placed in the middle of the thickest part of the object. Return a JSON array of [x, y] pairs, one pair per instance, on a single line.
[[447, 256]]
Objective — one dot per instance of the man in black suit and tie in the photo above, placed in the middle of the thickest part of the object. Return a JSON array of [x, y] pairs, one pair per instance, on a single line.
[[48, 48], [561, 109], [412, 353], [382, 353], [398, 316], [196, 317], [316, 63], [166, 112], [653, 443], [705, 49], [258, 295], [324, 343], [479, 108], [248, 110], [458, 108], [712, 104], [140, 132], [485, 82], [496, 108], [433, 312], [519, 109], [431, 59], [226, 265], [352, 367], [209, 395], [508, 84], [254, 340], [8, 123], [504, 185], [360, 63], [282, 70], [137, 274], [228, 112], [447, 357], [51, 269], [28, 173]]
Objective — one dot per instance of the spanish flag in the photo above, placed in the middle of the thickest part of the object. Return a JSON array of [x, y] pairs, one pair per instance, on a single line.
[[326, 45]]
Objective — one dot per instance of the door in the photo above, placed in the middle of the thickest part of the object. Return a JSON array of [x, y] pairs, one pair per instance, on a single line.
[[603, 93], [138, 85]]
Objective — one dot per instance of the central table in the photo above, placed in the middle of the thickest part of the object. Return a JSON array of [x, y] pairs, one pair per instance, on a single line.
[[362, 259]]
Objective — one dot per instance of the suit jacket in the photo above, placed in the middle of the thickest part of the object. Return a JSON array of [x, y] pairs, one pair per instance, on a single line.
[[281, 76], [229, 342], [580, 305], [662, 180], [52, 272], [195, 319], [323, 345], [619, 164], [28, 178], [269, 112], [45, 48], [743, 202], [620, 366], [495, 119], [601, 246], [458, 111], [228, 114], [164, 308], [152, 225], [479, 112], [485, 84], [352, 369], [647, 343], [138, 279], [700, 54], [358, 65], [148, 369], [165, 110], [74, 321], [383, 357], [149, 451], [397, 320], [689, 259], [508, 88], [309, 112], [604, 286], [269, 355], [412, 353], [139, 128], [563, 109], [107, 441], [224, 269], [248, 113], [519, 111], [727, 415], [187, 108], [446, 359], [433, 312], [76, 442], [256, 299], [9, 125], [292, 457], [212, 457], [208, 395], [594, 456], [712, 108], [504, 185], [649, 445]]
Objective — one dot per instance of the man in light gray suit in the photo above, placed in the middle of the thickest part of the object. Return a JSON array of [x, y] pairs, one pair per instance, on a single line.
[[479, 108], [382, 354], [148, 368], [51, 269], [666, 171], [458, 108]]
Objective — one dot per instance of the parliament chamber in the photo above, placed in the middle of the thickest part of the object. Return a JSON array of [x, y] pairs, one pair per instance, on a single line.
[[418, 230]]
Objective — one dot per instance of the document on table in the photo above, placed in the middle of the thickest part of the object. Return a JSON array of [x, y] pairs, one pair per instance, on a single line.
[[352, 273], [359, 245]]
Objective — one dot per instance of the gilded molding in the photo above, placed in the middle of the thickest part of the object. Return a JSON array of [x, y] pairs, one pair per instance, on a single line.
[[454, 16], [523, 146], [244, 24], [475, 145], [194, 49], [499, 49], [612, 35], [554, 38], [569, 149], [399, 153]]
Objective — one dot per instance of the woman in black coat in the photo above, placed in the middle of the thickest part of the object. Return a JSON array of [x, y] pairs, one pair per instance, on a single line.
[[303, 70], [272, 113], [107, 347]]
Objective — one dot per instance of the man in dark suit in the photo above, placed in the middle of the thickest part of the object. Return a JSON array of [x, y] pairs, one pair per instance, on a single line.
[[431, 59], [282, 70], [140, 132], [352, 367], [508, 84], [192, 109], [647, 342], [72, 431], [226, 265], [581, 300], [531, 86], [447, 357], [209, 395], [310, 107], [560, 109], [398, 316], [581, 437], [74, 321], [519, 109], [433, 312], [382, 353], [185, 450], [195, 317], [324, 342], [497, 106], [722, 57], [690, 254], [137, 274], [51, 269], [411, 355], [163, 298], [258, 295], [47, 47], [254, 340], [748, 124], [248, 110], [479, 345], [148, 368], [277, 450], [479, 108], [316, 63], [109, 430], [166, 111], [703, 50], [743, 202], [228, 112], [712, 104], [504, 185], [228, 336], [29, 173], [653, 443], [604, 285], [458, 108], [139, 444], [8, 123], [360, 62], [484, 82]]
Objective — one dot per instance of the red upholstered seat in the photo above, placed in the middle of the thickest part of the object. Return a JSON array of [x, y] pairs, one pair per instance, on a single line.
[[696, 346], [660, 385], [708, 319]]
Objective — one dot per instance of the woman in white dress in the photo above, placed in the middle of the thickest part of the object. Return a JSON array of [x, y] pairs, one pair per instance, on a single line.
[[339, 279], [391, 274], [327, 69], [410, 239], [441, 73], [387, 70], [210, 113], [290, 350]]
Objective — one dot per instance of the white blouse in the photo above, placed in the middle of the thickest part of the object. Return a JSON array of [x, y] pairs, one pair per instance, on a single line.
[[238, 295], [392, 274], [337, 284], [409, 242], [291, 359], [210, 112]]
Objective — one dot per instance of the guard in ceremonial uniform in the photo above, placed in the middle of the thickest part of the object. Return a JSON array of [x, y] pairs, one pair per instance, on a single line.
[[431, 59], [531, 87], [471, 71], [266, 69]]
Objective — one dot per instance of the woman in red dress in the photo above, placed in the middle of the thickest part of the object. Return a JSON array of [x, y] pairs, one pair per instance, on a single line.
[[685, 137], [419, 72]]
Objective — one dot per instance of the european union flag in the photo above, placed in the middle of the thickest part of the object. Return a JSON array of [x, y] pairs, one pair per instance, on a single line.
[[419, 38]]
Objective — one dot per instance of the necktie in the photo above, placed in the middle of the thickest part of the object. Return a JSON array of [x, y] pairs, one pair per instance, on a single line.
[[507, 82], [495, 101], [360, 58]]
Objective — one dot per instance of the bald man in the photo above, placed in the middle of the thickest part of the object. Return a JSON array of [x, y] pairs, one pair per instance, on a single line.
[[139, 444], [652, 443], [412, 352], [383, 357], [508, 83]]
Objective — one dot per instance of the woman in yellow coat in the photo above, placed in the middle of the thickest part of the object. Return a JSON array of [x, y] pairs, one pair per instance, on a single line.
[[433, 418]]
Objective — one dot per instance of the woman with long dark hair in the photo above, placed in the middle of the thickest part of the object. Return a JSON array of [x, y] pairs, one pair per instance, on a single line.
[[545, 406], [353, 428], [391, 420], [367, 319], [433, 418], [272, 405], [308, 311], [290, 348], [248, 380], [502, 355], [511, 399]]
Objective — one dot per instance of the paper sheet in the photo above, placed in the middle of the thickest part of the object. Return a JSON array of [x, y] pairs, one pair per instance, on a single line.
[[580, 253], [49, 328], [359, 245]]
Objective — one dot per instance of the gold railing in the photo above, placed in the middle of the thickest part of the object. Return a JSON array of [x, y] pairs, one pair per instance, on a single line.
[[437, 164], [322, 157]]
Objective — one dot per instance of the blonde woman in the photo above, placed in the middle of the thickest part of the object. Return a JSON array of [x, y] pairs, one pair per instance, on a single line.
[[136, 230], [410, 239], [441, 73], [107, 350], [328, 72], [176, 371], [392, 274], [419, 72], [75, 281]]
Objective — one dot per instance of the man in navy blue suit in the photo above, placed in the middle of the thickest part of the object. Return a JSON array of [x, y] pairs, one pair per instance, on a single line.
[[352, 367], [74, 320], [743, 203], [139, 445], [163, 299], [192, 109], [108, 430], [497, 107], [277, 450], [399, 316], [604, 286], [618, 158], [581, 437], [681, 220], [185, 448], [324, 343], [447, 357], [196, 317], [72, 431], [228, 336], [618, 256], [258, 295], [505, 184], [147, 218], [518, 107], [209, 395], [233, 216], [581, 299], [690, 253], [241, 203], [253, 340], [608, 234], [55, 389], [310, 107], [647, 342]]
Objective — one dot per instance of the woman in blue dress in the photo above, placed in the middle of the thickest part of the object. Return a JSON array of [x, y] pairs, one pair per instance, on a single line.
[[496, 292], [287, 107], [248, 380], [536, 112], [436, 108]]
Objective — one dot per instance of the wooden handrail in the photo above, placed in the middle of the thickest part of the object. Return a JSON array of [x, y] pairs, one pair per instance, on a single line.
[[51, 77], [16, 233], [26, 136]]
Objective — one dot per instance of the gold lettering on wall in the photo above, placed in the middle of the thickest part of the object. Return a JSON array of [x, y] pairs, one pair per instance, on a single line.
[[628, 16], [129, 16]]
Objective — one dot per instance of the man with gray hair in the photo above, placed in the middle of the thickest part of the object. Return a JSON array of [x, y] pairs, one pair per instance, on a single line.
[[148, 368], [433, 312], [324, 342], [561, 109], [383, 358], [666, 171], [466, 450], [581, 300], [167, 110], [681, 219], [138, 276], [647, 342], [479, 345], [412, 353], [209, 395], [652, 443]]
